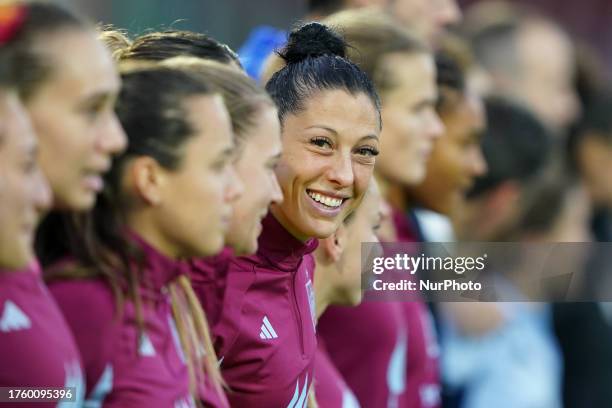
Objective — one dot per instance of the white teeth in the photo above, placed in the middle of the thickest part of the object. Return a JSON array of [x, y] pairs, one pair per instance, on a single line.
[[328, 201]]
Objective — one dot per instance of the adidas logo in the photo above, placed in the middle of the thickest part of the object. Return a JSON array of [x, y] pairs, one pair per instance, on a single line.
[[267, 331], [13, 318]]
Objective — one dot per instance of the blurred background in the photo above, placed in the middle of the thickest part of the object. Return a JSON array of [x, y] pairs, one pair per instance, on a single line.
[[231, 20]]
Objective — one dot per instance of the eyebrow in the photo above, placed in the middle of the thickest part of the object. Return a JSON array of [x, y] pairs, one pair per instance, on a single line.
[[32, 150], [98, 96], [427, 102], [277, 156], [336, 133], [477, 135], [228, 152]]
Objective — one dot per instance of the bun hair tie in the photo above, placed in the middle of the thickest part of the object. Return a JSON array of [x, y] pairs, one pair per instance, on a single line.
[[313, 40], [12, 18]]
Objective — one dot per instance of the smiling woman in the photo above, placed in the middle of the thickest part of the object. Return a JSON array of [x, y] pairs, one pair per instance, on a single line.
[[330, 125], [330, 114]]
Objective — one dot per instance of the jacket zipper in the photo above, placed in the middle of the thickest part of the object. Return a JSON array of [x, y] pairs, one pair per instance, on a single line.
[[298, 315]]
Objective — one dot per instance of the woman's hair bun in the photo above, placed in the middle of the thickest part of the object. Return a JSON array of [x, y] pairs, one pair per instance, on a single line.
[[312, 40]]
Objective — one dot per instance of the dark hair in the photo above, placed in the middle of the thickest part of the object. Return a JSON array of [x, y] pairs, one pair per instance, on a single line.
[[515, 145], [151, 109], [454, 59], [596, 121], [544, 199], [450, 79], [448, 73], [315, 58], [597, 115], [371, 36], [42, 19], [325, 7], [162, 45], [243, 98]]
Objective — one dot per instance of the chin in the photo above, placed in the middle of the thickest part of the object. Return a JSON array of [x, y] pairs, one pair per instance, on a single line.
[[21, 261], [323, 229], [356, 298], [352, 298], [412, 178], [247, 249], [213, 247], [418, 176], [81, 201]]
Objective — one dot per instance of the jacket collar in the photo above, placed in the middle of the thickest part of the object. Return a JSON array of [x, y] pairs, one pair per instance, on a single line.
[[159, 269], [280, 248]]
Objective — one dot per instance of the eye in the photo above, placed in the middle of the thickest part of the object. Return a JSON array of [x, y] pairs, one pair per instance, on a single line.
[[367, 151], [92, 111], [321, 142], [29, 166], [222, 163]]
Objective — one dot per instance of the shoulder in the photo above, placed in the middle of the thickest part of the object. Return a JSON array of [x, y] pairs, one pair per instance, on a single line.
[[89, 308], [239, 278], [81, 298]]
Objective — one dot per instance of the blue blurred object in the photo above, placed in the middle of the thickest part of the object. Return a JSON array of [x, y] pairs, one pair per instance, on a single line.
[[262, 41], [517, 365]]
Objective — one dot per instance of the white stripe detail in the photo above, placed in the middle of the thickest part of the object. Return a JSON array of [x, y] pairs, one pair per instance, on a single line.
[[102, 389], [74, 378], [296, 395], [269, 326], [302, 401], [299, 400], [266, 332], [13, 318], [349, 400]]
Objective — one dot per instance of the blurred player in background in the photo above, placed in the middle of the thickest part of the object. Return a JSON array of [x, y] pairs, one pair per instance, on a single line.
[[166, 199], [338, 282]]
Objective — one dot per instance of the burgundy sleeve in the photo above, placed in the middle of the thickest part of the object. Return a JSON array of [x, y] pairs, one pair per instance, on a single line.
[[89, 309]]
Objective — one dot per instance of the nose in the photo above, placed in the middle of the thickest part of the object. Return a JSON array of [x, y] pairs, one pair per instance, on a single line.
[[385, 210], [41, 193], [435, 127], [112, 139], [234, 187], [478, 164], [449, 13], [276, 195], [341, 170], [569, 107]]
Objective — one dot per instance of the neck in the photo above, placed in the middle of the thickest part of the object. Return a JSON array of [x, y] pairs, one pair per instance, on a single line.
[[140, 223], [280, 217], [323, 291], [8, 269], [393, 193]]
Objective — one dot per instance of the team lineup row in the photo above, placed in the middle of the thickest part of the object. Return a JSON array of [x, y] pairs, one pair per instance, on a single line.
[[172, 231]]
